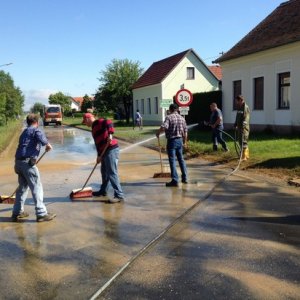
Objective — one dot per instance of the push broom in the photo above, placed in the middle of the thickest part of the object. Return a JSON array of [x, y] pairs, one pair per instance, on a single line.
[[85, 192], [162, 174], [11, 199]]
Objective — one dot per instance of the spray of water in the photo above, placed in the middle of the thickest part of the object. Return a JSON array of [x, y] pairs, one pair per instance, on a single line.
[[150, 139]]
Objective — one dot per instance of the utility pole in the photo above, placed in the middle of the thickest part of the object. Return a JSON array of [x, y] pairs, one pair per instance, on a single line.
[[6, 65]]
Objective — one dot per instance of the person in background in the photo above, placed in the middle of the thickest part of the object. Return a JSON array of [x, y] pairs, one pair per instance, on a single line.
[[102, 131], [242, 125], [138, 120], [30, 142], [176, 133], [216, 123]]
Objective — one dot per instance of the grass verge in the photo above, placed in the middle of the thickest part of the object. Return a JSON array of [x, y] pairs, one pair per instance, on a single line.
[[7, 133], [269, 153]]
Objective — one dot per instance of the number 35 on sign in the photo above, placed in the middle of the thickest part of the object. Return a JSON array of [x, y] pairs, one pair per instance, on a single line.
[[184, 97]]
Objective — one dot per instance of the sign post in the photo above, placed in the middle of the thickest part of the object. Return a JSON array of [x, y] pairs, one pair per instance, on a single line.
[[165, 103], [184, 98]]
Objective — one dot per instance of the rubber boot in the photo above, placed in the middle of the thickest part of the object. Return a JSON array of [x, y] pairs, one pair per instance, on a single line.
[[247, 153], [244, 156]]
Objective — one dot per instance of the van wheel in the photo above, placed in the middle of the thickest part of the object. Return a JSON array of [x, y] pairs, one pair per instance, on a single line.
[[58, 123]]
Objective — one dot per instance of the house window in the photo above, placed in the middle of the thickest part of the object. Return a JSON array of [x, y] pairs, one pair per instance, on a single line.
[[142, 106], [190, 73], [237, 90], [149, 106], [284, 90], [156, 105], [259, 93], [137, 104]]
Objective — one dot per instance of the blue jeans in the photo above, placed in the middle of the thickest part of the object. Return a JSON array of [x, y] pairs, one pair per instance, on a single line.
[[29, 176], [109, 172], [217, 137], [174, 149]]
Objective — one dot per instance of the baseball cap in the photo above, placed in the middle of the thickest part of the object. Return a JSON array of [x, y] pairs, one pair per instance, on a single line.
[[87, 116]]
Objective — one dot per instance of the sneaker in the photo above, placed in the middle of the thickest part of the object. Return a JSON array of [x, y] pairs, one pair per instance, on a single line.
[[115, 200], [99, 194], [172, 183], [226, 150], [45, 218], [22, 215], [184, 181]]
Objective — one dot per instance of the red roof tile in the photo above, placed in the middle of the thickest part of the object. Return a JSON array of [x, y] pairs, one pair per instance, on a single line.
[[78, 100], [281, 27], [159, 70], [216, 70]]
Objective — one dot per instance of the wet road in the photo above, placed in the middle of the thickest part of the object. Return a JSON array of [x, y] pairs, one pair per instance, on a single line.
[[241, 240]]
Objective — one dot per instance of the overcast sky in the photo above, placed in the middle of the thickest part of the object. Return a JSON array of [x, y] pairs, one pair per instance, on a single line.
[[63, 45]]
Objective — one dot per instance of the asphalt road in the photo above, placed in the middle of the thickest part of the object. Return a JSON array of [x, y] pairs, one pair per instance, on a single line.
[[240, 239]]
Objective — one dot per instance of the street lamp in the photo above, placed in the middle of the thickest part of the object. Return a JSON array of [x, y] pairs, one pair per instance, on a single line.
[[6, 65]]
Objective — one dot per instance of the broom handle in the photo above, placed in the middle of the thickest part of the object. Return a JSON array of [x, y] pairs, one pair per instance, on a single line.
[[101, 155], [161, 165], [36, 164]]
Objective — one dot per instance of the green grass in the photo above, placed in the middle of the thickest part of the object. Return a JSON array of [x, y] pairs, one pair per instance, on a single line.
[[276, 153], [7, 132]]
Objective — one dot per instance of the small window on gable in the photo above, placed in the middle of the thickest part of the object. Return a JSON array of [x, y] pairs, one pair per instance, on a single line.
[[190, 73]]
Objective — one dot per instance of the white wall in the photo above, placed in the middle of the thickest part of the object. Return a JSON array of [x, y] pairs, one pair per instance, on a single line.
[[268, 64], [204, 81], [144, 93], [74, 105]]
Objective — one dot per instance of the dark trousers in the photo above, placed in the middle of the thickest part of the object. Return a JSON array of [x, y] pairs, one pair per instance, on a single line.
[[217, 138]]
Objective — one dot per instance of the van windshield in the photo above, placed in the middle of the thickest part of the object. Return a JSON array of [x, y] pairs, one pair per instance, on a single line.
[[53, 110]]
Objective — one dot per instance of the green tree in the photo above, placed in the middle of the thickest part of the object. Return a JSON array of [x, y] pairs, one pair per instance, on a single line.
[[2, 108], [38, 108], [12, 99], [115, 91], [86, 103], [63, 100]]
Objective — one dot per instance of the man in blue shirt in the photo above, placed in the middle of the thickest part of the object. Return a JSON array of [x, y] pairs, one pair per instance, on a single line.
[[216, 123], [30, 142]]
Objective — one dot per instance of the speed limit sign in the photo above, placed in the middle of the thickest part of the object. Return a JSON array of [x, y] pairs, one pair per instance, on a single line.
[[184, 97]]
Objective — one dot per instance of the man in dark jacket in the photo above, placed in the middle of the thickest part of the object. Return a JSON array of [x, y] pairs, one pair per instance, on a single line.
[[242, 125]]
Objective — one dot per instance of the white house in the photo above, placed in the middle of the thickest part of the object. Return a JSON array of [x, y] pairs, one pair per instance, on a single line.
[[265, 68], [165, 78], [75, 103]]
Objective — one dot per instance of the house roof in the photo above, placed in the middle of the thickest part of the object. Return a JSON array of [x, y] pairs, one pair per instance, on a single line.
[[279, 28], [79, 100], [159, 70], [217, 71]]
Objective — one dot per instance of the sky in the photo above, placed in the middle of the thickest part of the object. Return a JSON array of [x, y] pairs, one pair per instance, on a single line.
[[64, 45]]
